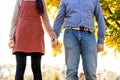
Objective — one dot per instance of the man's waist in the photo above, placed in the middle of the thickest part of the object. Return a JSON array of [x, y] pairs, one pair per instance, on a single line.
[[81, 28]]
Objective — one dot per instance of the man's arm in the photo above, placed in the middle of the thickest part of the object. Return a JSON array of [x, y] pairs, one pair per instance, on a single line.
[[60, 18], [101, 26]]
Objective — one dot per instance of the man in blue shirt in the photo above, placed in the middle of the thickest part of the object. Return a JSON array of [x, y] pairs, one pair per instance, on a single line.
[[79, 39]]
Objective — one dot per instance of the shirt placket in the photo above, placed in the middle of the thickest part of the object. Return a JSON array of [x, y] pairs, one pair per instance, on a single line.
[[81, 19]]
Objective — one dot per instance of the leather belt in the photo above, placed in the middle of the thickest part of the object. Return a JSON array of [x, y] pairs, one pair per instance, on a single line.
[[81, 29]]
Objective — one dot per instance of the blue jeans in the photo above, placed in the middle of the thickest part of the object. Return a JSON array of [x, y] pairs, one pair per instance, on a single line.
[[78, 43]]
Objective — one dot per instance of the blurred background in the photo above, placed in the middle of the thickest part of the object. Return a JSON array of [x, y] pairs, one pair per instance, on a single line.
[[53, 68]]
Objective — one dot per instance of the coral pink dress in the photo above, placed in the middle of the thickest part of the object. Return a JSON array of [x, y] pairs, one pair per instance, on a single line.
[[29, 34]]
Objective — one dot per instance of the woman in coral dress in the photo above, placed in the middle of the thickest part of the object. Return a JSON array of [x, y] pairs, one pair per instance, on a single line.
[[27, 35]]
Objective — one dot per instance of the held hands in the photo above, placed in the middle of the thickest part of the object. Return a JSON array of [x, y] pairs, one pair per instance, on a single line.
[[54, 42], [11, 44], [100, 47], [56, 47]]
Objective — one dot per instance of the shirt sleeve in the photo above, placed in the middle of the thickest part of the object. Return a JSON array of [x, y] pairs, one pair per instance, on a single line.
[[59, 18], [101, 23], [14, 19]]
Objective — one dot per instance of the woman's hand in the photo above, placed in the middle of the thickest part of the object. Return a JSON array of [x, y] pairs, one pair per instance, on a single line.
[[54, 43], [11, 44]]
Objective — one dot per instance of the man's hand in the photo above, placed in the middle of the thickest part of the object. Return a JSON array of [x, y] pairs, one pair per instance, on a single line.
[[100, 47]]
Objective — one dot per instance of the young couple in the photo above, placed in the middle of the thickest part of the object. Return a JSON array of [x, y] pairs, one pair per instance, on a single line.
[[27, 35]]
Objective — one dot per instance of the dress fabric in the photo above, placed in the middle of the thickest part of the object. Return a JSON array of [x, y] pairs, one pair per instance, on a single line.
[[29, 34]]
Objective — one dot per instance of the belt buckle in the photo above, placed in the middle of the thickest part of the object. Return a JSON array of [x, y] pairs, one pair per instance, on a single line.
[[84, 29], [87, 30]]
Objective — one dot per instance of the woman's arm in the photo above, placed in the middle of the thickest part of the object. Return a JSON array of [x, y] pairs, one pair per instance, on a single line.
[[14, 23], [46, 24], [14, 19]]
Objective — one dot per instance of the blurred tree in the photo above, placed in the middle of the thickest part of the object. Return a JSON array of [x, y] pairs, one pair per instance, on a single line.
[[111, 11], [52, 8], [56, 75], [48, 74]]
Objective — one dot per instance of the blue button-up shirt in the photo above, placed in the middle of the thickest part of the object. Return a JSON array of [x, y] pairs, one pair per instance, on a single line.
[[80, 13]]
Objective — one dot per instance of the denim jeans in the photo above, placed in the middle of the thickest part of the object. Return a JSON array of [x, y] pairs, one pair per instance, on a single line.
[[78, 43]]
